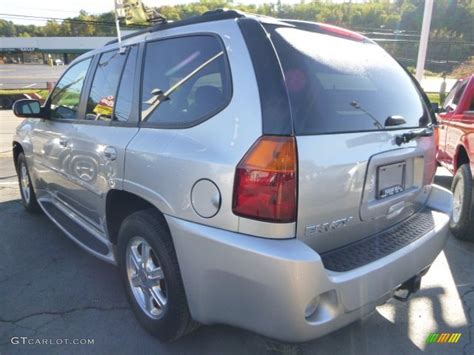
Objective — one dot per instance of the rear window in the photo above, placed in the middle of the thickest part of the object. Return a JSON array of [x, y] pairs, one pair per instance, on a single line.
[[338, 85]]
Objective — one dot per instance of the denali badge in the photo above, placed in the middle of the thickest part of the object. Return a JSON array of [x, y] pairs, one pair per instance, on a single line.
[[326, 227]]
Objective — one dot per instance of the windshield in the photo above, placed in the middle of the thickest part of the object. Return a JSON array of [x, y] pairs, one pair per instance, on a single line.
[[341, 85]]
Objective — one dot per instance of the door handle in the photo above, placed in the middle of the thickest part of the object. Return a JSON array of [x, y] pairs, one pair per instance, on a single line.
[[63, 142], [110, 153]]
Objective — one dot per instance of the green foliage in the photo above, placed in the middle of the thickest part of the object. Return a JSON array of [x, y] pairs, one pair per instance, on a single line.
[[464, 69], [451, 38], [434, 97], [41, 92], [449, 16]]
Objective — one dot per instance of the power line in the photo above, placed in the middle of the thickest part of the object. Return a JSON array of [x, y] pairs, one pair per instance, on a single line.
[[53, 18], [49, 10], [71, 20]]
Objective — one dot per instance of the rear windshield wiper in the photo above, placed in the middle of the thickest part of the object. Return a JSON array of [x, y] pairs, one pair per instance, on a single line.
[[409, 136], [393, 120], [357, 106]]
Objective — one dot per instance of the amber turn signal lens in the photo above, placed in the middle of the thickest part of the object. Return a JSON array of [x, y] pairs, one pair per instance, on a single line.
[[265, 181]]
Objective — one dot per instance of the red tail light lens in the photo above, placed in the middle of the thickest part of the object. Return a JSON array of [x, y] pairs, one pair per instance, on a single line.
[[265, 181]]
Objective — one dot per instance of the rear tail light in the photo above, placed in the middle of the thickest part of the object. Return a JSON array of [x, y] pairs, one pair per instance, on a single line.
[[265, 181]]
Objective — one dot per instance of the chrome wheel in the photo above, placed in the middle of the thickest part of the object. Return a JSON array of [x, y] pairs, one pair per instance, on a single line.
[[145, 277], [25, 182], [458, 201]]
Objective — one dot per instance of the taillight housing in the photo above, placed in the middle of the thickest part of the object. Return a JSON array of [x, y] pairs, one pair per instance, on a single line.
[[266, 181]]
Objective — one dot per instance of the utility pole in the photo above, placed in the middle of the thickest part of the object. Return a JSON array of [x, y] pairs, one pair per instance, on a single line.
[[425, 34], [119, 12]]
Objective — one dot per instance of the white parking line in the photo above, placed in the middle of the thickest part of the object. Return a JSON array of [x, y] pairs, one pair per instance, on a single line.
[[29, 86]]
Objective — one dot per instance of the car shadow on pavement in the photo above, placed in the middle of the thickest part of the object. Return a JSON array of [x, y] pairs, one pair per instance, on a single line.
[[444, 181], [460, 261], [52, 289]]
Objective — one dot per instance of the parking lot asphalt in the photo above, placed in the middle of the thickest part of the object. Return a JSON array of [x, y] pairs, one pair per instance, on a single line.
[[51, 290], [28, 76]]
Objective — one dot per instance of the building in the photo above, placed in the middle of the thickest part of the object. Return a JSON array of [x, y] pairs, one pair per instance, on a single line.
[[38, 50]]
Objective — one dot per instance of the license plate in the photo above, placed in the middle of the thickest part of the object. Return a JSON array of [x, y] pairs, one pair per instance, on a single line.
[[390, 180]]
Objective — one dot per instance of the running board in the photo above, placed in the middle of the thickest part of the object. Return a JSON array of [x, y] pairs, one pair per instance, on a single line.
[[84, 236]]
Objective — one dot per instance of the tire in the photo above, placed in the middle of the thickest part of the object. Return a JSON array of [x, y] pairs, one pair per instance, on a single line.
[[172, 320], [28, 196], [462, 223]]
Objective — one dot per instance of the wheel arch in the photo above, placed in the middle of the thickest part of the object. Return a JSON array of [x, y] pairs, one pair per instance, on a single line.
[[461, 157], [17, 149], [119, 205]]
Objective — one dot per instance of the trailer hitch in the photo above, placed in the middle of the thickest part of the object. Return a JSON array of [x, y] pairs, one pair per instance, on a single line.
[[407, 288]]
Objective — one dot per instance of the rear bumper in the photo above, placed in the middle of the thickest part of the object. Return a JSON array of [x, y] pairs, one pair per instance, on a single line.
[[269, 286]]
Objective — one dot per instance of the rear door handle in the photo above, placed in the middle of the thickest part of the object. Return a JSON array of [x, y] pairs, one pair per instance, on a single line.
[[110, 153]]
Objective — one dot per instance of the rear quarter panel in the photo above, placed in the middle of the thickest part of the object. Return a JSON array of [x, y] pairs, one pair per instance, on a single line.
[[162, 165]]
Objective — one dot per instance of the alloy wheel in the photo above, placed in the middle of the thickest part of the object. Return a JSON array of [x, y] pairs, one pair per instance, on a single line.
[[145, 277], [25, 182], [458, 201]]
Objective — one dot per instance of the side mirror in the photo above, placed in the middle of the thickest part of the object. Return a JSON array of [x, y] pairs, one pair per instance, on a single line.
[[28, 109], [435, 107]]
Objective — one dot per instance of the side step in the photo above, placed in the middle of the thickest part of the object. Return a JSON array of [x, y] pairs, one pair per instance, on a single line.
[[81, 235]]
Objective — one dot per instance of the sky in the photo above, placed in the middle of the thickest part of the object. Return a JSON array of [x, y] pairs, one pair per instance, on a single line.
[[62, 9]]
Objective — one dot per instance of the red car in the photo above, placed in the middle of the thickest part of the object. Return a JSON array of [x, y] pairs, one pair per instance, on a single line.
[[456, 153]]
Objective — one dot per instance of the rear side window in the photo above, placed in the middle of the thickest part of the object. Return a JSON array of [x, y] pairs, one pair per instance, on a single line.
[[66, 96], [101, 101], [339, 85], [186, 80]]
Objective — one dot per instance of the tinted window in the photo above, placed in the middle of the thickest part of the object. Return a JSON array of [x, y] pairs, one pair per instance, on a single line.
[[341, 85], [185, 80], [458, 95], [101, 101], [123, 107], [66, 96], [454, 96]]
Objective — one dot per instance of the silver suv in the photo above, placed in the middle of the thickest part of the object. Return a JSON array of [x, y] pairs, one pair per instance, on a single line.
[[274, 175]]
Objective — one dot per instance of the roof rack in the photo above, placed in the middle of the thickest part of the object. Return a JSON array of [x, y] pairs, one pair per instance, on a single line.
[[208, 16]]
